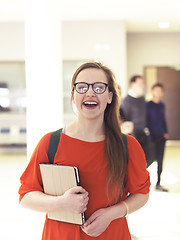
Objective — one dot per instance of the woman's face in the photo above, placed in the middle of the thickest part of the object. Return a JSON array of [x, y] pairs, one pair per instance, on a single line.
[[91, 105]]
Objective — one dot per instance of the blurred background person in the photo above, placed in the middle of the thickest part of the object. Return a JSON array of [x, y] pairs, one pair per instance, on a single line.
[[158, 130], [126, 126], [133, 112]]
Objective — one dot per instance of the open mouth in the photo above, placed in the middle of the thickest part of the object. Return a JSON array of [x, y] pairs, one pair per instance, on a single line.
[[89, 104]]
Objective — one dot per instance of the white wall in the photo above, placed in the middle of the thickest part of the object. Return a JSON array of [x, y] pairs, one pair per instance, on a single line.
[[12, 41], [157, 49], [81, 40]]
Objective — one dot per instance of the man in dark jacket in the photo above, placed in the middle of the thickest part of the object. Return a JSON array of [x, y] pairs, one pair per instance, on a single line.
[[133, 109]]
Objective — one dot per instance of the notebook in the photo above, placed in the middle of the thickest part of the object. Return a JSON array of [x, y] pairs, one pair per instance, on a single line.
[[56, 180]]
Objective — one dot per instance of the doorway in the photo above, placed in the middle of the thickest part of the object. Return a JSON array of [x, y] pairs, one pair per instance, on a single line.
[[170, 78]]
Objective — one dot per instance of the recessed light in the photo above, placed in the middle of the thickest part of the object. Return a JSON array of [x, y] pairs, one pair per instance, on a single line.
[[9, 8], [176, 5], [163, 25], [102, 47]]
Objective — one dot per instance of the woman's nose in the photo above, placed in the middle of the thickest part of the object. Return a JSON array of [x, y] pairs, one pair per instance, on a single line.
[[90, 91]]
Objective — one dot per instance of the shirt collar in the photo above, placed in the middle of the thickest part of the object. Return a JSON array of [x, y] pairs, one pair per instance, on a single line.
[[132, 93]]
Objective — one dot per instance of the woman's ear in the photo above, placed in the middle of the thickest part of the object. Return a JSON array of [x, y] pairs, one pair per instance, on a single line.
[[110, 97]]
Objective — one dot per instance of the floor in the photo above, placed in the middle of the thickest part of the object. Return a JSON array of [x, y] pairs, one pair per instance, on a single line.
[[158, 219]]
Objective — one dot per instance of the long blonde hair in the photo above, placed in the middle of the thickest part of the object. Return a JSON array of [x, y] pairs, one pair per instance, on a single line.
[[113, 138]]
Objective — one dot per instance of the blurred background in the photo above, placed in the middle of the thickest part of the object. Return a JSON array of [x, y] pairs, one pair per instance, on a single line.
[[41, 45]]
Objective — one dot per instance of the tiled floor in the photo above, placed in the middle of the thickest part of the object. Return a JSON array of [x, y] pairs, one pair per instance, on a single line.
[[159, 219]]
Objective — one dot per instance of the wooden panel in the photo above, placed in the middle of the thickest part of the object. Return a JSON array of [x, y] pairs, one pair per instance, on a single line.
[[170, 78]]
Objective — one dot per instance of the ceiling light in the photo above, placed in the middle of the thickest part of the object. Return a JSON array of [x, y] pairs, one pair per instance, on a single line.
[[176, 5], [9, 8], [163, 25], [102, 47]]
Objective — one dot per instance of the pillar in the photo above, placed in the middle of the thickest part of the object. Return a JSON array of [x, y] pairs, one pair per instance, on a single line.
[[43, 70]]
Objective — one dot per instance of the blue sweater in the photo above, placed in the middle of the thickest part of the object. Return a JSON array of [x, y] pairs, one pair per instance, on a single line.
[[156, 118]]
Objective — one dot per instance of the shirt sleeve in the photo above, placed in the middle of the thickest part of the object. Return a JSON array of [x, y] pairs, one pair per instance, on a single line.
[[31, 178], [138, 179]]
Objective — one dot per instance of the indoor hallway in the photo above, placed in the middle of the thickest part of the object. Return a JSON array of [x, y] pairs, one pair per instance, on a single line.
[[159, 219]]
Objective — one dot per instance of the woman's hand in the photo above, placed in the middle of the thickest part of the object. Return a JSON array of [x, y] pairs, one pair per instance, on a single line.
[[75, 199], [97, 223]]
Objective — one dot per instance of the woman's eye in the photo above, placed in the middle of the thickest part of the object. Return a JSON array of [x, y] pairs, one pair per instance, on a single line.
[[99, 88], [82, 88]]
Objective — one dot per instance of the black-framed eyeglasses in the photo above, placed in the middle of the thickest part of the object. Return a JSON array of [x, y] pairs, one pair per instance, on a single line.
[[83, 87]]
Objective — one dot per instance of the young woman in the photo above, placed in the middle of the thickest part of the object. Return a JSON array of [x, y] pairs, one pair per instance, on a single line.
[[111, 187]]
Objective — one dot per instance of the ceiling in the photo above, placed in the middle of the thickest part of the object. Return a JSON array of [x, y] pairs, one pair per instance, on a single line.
[[139, 15]]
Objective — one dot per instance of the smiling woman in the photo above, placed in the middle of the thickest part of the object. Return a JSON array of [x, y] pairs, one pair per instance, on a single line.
[[93, 143]]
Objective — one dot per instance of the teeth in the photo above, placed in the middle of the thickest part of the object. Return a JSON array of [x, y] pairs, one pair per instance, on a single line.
[[94, 103]]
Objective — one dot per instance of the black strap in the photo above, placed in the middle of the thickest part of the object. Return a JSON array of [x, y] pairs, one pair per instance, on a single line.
[[54, 141], [124, 137], [53, 145]]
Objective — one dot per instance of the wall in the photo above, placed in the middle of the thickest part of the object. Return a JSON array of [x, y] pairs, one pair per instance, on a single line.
[[12, 41], [104, 41], [79, 42], [147, 49]]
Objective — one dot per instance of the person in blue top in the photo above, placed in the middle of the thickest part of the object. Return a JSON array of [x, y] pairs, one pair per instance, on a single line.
[[157, 126]]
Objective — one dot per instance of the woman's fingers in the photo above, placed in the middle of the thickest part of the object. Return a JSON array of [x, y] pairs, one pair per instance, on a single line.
[[76, 199], [77, 189]]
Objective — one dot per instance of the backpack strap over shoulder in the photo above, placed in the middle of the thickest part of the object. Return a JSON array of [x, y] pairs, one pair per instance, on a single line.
[[53, 144], [124, 137]]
